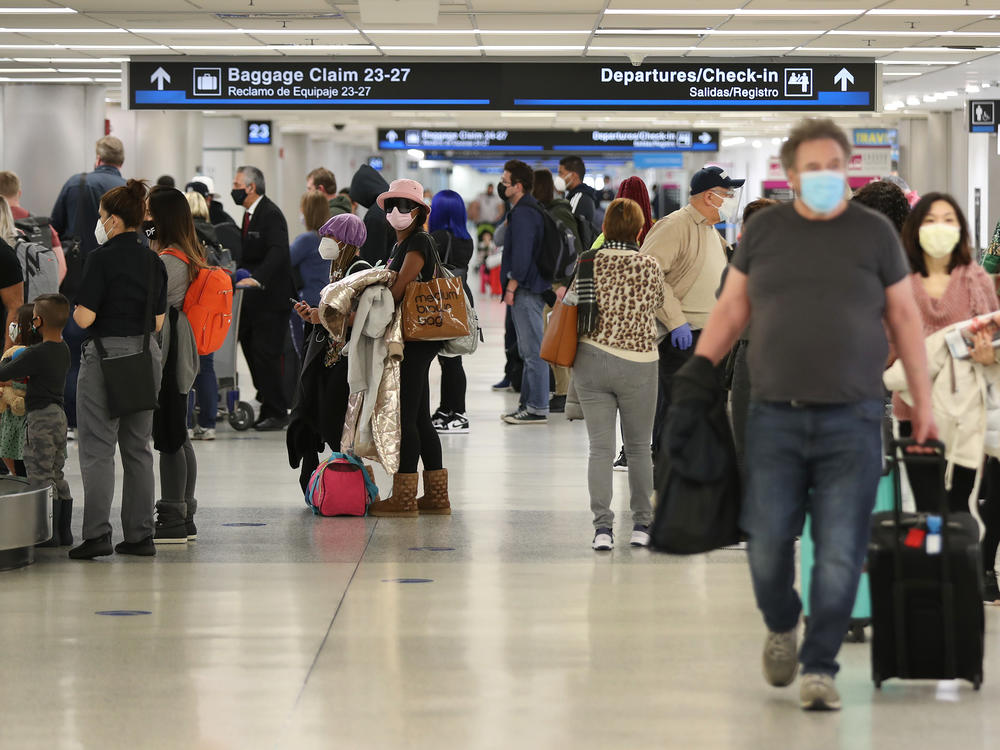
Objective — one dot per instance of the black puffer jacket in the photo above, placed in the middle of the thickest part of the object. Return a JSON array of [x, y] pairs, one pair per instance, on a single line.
[[366, 186]]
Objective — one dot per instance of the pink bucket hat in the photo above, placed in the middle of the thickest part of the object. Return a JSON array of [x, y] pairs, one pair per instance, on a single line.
[[345, 228], [410, 189]]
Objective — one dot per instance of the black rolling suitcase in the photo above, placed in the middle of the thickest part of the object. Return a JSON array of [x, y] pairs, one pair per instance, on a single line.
[[927, 609]]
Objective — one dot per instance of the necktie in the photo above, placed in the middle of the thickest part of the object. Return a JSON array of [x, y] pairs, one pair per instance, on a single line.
[[246, 222]]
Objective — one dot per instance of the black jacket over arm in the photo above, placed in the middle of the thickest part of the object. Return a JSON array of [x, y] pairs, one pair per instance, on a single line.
[[265, 255]]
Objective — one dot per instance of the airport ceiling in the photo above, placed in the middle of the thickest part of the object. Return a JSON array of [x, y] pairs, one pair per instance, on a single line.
[[933, 54]]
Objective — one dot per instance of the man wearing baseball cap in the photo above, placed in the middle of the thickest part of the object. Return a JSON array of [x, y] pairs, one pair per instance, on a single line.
[[206, 186], [693, 256]]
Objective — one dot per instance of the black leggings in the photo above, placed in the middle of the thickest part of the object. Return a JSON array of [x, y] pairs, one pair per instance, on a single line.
[[419, 438], [924, 481], [453, 385], [990, 512]]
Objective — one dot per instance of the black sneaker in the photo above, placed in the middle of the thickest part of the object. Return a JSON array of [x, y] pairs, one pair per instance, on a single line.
[[525, 417], [557, 404], [192, 530], [92, 548], [439, 418], [171, 526], [621, 463], [991, 593], [143, 548], [453, 424]]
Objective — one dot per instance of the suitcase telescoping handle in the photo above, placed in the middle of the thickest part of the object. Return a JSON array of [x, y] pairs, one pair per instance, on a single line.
[[931, 452]]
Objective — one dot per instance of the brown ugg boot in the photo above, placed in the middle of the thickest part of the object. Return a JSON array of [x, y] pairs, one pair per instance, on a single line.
[[435, 499], [403, 501]]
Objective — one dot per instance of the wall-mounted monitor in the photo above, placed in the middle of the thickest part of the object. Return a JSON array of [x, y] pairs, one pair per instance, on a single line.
[[259, 133]]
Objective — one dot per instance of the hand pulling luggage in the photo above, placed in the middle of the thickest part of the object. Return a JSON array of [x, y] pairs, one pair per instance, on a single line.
[[927, 588]]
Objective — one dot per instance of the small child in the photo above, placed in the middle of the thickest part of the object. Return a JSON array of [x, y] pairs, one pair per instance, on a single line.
[[45, 365], [13, 422]]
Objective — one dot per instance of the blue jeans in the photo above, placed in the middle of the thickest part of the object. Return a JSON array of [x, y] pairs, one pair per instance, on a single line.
[[825, 460], [528, 323], [206, 391]]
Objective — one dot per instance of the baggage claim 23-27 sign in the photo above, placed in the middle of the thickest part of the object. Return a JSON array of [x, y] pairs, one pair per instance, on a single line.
[[333, 84]]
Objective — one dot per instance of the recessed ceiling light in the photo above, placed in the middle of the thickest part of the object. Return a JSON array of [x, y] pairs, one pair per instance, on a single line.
[[913, 101], [731, 12], [930, 12], [107, 30], [707, 32], [34, 11], [262, 32]]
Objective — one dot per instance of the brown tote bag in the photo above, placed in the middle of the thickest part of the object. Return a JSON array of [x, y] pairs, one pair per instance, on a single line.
[[559, 341], [435, 310]]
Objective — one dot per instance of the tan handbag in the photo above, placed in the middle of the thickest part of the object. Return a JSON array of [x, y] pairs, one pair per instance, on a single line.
[[560, 339], [435, 310]]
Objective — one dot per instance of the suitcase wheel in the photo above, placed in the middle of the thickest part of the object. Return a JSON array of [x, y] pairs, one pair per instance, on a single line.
[[242, 416]]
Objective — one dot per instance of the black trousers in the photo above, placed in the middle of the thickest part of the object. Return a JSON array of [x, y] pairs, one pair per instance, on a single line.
[[262, 335], [671, 360], [419, 438], [989, 510], [453, 385]]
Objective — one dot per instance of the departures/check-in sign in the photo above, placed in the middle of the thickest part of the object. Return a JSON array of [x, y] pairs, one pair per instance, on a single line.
[[539, 141], [334, 84]]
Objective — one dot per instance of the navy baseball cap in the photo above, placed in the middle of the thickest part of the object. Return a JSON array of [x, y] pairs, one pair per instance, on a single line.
[[707, 178]]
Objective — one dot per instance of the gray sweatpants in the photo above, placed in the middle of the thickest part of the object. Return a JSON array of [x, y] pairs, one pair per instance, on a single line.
[[98, 434], [178, 477], [45, 450], [609, 385]]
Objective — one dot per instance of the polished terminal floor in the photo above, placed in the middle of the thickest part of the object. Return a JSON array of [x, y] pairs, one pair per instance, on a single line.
[[495, 627]]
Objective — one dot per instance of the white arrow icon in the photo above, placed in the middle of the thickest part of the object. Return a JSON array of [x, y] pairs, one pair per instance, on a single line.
[[843, 78], [705, 138], [392, 136], [159, 77]]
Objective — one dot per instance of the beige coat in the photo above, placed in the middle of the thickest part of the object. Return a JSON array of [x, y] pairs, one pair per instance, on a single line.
[[962, 396], [679, 243], [336, 304]]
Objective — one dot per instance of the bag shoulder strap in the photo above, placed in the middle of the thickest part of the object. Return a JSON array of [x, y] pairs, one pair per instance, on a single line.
[[78, 234], [176, 254]]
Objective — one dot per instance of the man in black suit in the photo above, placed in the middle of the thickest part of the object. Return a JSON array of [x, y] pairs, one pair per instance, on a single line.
[[264, 320]]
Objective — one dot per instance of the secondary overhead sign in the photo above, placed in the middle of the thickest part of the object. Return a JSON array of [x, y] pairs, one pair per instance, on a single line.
[[548, 140], [983, 115], [333, 84]]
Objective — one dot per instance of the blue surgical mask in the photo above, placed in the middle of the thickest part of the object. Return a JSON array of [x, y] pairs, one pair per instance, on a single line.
[[822, 191]]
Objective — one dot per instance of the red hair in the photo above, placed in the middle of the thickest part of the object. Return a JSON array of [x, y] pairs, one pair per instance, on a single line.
[[634, 188]]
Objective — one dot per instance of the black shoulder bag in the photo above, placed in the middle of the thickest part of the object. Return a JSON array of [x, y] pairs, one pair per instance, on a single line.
[[129, 379], [72, 248]]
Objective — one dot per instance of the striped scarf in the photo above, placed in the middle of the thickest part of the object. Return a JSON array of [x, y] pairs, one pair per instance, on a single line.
[[586, 292]]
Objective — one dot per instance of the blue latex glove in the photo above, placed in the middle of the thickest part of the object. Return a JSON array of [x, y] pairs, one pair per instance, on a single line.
[[681, 337]]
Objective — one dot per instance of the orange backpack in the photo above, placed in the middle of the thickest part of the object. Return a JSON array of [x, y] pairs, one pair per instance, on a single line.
[[208, 305]]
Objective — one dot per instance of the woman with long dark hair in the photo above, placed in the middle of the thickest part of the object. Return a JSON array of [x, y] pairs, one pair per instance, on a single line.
[[455, 245], [111, 305], [412, 258], [183, 256]]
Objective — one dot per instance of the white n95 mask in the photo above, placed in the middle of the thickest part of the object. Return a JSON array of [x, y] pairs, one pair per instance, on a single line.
[[329, 248]]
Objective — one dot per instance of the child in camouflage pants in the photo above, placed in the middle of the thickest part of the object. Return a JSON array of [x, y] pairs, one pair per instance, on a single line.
[[45, 365]]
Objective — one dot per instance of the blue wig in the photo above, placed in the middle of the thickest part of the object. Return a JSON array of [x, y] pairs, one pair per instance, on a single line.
[[448, 213]]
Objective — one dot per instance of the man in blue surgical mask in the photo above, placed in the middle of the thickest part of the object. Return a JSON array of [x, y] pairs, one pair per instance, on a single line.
[[692, 255], [816, 279]]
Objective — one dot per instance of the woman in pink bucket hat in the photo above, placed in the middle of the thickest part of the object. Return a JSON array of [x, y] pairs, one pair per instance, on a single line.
[[413, 257], [321, 401]]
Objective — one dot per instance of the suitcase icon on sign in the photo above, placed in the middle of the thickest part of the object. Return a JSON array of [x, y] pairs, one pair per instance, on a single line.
[[207, 82]]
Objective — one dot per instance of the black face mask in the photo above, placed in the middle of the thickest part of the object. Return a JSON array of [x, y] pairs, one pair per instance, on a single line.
[[149, 227], [239, 195], [502, 191]]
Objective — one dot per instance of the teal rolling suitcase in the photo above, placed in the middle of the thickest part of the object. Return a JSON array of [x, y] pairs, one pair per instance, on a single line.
[[861, 616]]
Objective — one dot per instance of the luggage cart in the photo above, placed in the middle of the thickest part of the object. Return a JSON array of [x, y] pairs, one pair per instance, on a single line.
[[239, 413]]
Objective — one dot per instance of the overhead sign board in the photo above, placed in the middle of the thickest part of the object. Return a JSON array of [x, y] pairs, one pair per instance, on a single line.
[[335, 84], [427, 139], [983, 115], [875, 137]]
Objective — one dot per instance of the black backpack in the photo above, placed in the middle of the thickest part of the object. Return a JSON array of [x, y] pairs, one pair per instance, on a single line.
[[557, 256]]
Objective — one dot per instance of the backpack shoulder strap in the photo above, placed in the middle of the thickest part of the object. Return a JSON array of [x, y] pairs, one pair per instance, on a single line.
[[176, 254]]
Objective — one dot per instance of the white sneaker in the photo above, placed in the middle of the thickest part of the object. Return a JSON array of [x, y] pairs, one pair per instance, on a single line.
[[640, 536], [71, 433], [818, 693], [604, 540], [208, 434], [453, 424]]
